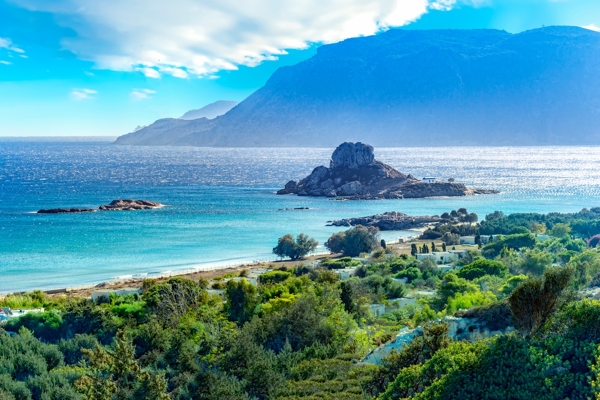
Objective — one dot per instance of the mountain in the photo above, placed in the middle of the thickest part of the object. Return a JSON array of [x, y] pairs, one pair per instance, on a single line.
[[211, 110], [418, 88]]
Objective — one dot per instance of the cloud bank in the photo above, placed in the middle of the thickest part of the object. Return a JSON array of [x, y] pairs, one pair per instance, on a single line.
[[200, 37]]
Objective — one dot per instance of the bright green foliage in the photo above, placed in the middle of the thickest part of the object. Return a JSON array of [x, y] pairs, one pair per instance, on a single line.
[[354, 241], [451, 285], [482, 267], [295, 249], [512, 283], [465, 301], [274, 277], [35, 299], [560, 230]]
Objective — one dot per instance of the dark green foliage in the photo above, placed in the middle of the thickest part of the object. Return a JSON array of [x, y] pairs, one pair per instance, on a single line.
[[482, 267], [354, 241], [433, 338], [517, 241], [536, 299], [410, 273], [497, 316], [242, 299], [177, 297], [295, 249]]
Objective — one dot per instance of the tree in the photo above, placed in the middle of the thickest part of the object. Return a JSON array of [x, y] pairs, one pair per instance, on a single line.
[[536, 299], [482, 267], [241, 300], [432, 247], [537, 227], [450, 238], [295, 249], [413, 250], [383, 244], [352, 242], [560, 230], [444, 246], [536, 262], [425, 249], [173, 299]]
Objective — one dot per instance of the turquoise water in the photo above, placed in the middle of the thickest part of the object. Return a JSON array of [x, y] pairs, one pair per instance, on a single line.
[[221, 208]]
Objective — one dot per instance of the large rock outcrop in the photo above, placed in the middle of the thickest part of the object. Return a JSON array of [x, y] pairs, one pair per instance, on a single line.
[[354, 174]]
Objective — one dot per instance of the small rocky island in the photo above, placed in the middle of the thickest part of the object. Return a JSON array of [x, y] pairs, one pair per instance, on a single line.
[[390, 221], [66, 210], [354, 174], [115, 205]]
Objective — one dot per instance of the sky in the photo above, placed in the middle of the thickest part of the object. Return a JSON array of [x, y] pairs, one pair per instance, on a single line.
[[101, 68]]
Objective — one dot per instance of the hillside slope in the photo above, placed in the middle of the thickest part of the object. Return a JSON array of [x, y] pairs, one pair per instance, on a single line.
[[418, 88]]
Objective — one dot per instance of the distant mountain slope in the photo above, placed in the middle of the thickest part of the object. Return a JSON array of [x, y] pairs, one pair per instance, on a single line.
[[211, 110], [418, 88]]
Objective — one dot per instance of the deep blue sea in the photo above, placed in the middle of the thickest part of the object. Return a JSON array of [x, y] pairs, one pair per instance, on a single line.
[[220, 203]]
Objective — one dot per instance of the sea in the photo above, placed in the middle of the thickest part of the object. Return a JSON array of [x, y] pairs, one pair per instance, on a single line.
[[220, 203]]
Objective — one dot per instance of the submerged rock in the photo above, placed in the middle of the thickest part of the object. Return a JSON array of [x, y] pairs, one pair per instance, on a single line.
[[355, 174], [65, 210], [126, 205]]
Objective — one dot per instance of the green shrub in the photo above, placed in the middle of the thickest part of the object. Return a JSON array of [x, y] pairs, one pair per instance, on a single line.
[[482, 267]]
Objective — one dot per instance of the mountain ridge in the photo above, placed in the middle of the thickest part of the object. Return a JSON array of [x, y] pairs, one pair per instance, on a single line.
[[418, 88]]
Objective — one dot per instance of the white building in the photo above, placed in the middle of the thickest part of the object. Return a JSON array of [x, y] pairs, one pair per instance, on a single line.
[[442, 257], [345, 273], [428, 179], [467, 240], [377, 309], [6, 313], [400, 302]]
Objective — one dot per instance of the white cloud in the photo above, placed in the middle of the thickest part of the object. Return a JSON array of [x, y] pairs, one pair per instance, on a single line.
[[6, 43], [592, 27], [81, 94], [140, 94], [5, 62], [201, 37], [149, 72]]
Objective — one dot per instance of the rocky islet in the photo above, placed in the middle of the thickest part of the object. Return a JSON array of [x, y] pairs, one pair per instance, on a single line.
[[115, 205], [355, 174]]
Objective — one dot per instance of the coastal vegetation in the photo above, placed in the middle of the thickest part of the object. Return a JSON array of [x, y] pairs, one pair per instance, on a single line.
[[310, 332]]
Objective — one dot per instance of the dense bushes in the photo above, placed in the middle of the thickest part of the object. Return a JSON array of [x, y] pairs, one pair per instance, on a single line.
[[295, 249], [354, 241], [482, 267]]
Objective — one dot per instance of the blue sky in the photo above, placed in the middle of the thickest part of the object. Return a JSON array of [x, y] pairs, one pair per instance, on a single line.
[[100, 68]]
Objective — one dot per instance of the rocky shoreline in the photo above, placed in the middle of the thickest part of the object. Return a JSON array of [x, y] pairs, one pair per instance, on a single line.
[[115, 205], [390, 221], [354, 174]]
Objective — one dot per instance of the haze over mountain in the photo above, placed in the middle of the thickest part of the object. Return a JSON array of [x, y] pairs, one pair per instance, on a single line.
[[211, 110], [417, 88]]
